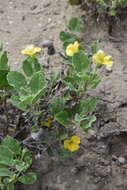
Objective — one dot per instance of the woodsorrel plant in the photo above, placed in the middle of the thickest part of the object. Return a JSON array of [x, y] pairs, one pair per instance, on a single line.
[[61, 100], [109, 7]]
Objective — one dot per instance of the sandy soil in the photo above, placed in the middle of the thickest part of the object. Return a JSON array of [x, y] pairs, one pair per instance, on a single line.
[[25, 22], [102, 161]]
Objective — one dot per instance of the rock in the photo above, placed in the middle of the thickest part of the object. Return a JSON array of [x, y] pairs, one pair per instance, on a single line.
[[10, 22], [91, 134], [33, 7], [122, 160], [114, 158], [23, 17], [49, 20], [47, 4], [109, 69], [77, 181]]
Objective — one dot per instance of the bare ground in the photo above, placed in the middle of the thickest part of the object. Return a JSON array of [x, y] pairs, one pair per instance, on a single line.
[[102, 161]]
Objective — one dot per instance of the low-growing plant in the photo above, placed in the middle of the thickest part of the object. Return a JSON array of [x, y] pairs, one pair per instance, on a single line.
[[55, 103], [14, 163], [109, 7]]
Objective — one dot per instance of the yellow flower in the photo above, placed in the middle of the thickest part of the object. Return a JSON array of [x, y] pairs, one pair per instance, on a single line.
[[72, 143], [102, 59], [46, 123], [72, 48], [31, 50]]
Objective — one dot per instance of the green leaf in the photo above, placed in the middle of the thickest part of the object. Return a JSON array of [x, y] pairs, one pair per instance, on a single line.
[[36, 64], [12, 144], [53, 76], [28, 178], [67, 37], [4, 172], [57, 105], [75, 24], [37, 97], [27, 157], [4, 61], [74, 2], [79, 117], [35, 128], [63, 118], [15, 101], [3, 79], [6, 156], [87, 105], [81, 61], [22, 105], [95, 47], [10, 186], [21, 166], [64, 153], [1, 94], [87, 123], [16, 79], [27, 68], [95, 79], [26, 102], [37, 83]]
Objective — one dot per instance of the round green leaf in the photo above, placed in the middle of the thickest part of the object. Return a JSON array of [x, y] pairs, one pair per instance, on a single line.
[[27, 68], [37, 82], [81, 61], [28, 178], [66, 36], [16, 79], [3, 79], [5, 172], [75, 24], [12, 144]]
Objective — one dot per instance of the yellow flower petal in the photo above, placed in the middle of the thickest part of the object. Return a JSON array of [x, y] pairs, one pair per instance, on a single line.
[[72, 144], [107, 61], [46, 123], [66, 144], [75, 139], [101, 58], [76, 44], [73, 147], [31, 50], [72, 48]]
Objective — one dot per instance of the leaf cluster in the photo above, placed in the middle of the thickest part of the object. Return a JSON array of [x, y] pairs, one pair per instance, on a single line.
[[108, 7], [14, 163]]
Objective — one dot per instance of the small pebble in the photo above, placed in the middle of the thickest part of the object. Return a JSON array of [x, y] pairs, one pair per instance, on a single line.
[[76, 181], [33, 7], [122, 160], [37, 156], [46, 5], [34, 135], [91, 134], [7, 43], [49, 20], [10, 2], [74, 170], [109, 69], [10, 22], [23, 17], [114, 158], [39, 24]]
